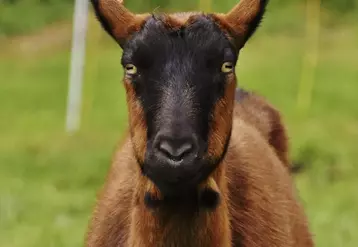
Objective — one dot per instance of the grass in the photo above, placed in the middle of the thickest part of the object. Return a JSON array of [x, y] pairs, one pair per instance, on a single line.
[[33, 15], [48, 180]]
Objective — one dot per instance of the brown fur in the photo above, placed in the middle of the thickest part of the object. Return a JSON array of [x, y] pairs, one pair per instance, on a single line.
[[272, 129], [175, 21], [259, 204], [222, 115], [267, 191], [137, 125], [238, 21], [242, 14]]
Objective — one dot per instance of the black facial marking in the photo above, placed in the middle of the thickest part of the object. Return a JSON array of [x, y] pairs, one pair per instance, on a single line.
[[178, 82], [179, 73]]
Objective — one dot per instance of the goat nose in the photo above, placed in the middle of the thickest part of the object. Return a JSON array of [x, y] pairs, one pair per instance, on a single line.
[[176, 149]]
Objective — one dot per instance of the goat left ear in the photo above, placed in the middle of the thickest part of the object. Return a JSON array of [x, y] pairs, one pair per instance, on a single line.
[[244, 19], [118, 21]]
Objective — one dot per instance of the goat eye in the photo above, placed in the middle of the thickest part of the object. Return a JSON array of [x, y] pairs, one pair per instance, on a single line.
[[227, 67], [131, 69]]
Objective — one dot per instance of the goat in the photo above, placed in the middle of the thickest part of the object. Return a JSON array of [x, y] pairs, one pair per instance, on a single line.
[[203, 163]]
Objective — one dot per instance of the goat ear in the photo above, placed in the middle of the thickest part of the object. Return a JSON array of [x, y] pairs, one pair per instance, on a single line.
[[118, 21], [244, 19]]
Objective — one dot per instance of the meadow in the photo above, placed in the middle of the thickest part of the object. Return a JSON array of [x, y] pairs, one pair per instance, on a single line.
[[49, 179]]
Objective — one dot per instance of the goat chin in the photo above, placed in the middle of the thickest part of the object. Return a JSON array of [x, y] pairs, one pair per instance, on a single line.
[[208, 195]]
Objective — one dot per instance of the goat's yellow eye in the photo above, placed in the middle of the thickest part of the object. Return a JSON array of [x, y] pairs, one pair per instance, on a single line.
[[131, 69], [227, 67]]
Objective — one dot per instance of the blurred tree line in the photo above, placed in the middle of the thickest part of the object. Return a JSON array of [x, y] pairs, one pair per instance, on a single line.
[[22, 16], [342, 5]]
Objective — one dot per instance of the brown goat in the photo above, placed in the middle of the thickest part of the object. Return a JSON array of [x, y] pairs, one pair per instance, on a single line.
[[203, 164]]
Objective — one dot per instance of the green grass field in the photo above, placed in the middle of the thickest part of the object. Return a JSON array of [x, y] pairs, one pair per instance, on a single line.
[[48, 180]]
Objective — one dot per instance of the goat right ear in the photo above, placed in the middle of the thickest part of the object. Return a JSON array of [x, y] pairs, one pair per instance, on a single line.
[[244, 19], [118, 21]]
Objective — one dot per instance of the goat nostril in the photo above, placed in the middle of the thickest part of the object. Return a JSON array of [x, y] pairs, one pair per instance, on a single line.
[[175, 152]]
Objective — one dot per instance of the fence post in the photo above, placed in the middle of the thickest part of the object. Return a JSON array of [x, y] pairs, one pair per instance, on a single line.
[[77, 66]]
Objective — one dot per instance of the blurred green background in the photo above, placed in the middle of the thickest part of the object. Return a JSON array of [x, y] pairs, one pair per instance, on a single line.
[[48, 179]]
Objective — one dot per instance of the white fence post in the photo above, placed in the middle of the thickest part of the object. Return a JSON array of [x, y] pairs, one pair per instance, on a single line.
[[80, 18]]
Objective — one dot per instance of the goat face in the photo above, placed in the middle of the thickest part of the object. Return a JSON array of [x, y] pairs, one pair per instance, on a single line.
[[183, 79], [180, 82]]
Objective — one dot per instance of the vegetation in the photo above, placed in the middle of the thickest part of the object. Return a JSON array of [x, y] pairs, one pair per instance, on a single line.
[[39, 13], [26, 16], [48, 180]]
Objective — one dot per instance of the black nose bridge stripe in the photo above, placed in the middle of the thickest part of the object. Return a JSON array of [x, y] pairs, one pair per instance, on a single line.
[[177, 98]]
